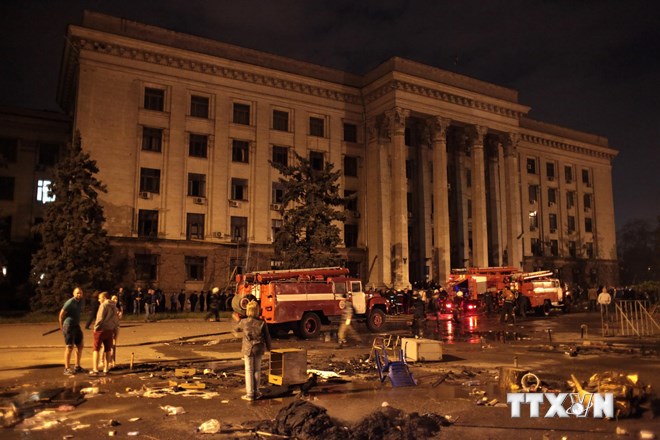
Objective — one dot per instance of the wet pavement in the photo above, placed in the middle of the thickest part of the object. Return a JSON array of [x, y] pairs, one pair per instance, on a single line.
[[463, 386]]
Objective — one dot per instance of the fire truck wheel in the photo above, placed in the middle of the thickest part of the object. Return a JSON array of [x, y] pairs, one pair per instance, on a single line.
[[310, 326], [376, 320], [546, 308]]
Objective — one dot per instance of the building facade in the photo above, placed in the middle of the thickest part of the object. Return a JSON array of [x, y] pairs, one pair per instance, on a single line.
[[448, 171]]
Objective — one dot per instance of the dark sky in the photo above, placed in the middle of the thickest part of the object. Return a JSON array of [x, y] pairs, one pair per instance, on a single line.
[[593, 66]]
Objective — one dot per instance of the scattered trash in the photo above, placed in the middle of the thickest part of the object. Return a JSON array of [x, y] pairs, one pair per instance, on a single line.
[[112, 433], [184, 372], [134, 419], [530, 382], [133, 433], [628, 391], [646, 435], [211, 426], [81, 426], [196, 385], [114, 423], [89, 391], [324, 374], [621, 431], [65, 408], [173, 410]]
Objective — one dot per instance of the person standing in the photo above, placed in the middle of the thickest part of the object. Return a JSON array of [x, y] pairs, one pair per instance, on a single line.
[[213, 305], [509, 305], [604, 301], [69, 320], [182, 300], [173, 302], [592, 296], [202, 300], [256, 341], [105, 327], [345, 327], [419, 315], [193, 301]]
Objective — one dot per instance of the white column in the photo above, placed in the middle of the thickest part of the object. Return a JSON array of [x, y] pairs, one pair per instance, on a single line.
[[514, 236], [479, 218], [441, 237]]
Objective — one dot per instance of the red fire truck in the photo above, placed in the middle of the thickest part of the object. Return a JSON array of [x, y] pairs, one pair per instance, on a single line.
[[303, 299], [540, 290]]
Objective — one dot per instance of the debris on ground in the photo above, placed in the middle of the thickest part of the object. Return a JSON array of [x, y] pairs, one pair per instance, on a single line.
[[629, 393], [304, 420], [173, 410], [211, 426]]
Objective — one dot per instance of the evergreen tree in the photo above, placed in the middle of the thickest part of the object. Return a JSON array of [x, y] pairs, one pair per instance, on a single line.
[[75, 249], [308, 237]]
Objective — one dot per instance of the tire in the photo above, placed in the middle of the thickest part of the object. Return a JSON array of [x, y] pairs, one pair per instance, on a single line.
[[309, 326], [376, 320], [546, 308]]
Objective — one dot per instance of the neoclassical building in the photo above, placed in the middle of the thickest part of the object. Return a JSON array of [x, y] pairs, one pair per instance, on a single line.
[[449, 171]]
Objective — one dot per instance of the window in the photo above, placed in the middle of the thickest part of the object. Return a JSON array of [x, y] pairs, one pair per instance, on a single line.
[[9, 149], [237, 265], [241, 114], [536, 247], [316, 126], [6, 188], [350, 235], [587, 201], [275, 227], [568, 174], [316, 159], [531, 165], [588, 224], [195, 226], [554, 248], [280, 120], [351, 200], [198, 145], [240, 151], [43, 191], [350, 166], [276, 264], [552, 220], [533, 221], [550, 170], [589, 249], [154, 99], [468, 178], [278, 192], [199, 106], [150, 180], [238, 229], [407, 137], [147, 223], [409, 204], [572, 249], [280, 155], [533, 193], [571, 224], [469, 209], [48, 154], [195, 268], [239, 189], [570, 199], [197, 185], [152, 139], [586, 178], [146, 267], [350, 132], [552, 196], [409, 170], [5, 227]]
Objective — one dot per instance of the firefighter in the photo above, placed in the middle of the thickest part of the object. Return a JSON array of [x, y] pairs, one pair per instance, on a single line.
[[509, 305], [419, 315], [345, 327]]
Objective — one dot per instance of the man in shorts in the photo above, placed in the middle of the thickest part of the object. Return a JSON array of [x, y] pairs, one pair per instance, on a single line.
[[105, 328], [69, 320]]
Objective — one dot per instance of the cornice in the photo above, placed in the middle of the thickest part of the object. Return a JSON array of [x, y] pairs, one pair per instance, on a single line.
[[571, 148], [178, 62], [441, 95]]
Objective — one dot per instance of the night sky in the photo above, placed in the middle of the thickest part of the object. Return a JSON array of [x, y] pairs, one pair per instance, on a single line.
[[593, 66]]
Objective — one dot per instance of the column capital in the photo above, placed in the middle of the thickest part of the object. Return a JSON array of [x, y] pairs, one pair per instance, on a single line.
[[396, 119], [511, 141], [377, 129], [476, 134], [438, 127]]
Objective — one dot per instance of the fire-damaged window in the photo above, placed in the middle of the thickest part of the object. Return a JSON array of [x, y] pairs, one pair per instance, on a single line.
[[195, 268], [146, 267]]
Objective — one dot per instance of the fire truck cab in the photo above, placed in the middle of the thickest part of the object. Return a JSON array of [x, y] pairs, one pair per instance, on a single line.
[[303, 299], [540, 289]]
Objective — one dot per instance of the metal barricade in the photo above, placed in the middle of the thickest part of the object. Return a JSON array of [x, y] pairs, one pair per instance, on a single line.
[[630, 318]]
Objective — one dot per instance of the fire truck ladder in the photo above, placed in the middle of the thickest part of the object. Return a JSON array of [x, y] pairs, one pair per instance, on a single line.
[[631, 318]]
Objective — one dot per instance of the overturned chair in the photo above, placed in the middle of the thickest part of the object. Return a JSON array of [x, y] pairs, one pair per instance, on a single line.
[[397, 371]]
